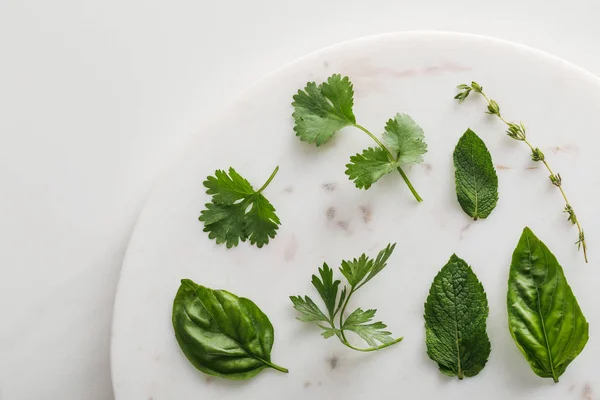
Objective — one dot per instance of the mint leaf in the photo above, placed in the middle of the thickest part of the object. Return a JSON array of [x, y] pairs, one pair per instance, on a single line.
[[222, 334], [327, 288], [405, 139], [366, 168], [544, 317], [476, 179], [455, 315], [358, 322], [238, 212], [321, 110], [358, 272]]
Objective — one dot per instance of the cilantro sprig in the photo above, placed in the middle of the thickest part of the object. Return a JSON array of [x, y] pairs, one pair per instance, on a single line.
[[238, 212], [322, 110], [357, 272]]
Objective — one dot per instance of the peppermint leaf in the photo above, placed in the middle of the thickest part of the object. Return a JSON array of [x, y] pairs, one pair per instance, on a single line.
[[476, 179], [544, 317], [238, 212], [222, 334], [321, 110], [405, 139], [455, 315], [365, 169]]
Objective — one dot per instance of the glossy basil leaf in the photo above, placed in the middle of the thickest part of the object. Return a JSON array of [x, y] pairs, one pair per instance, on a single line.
[[544, 317], [222, 334]]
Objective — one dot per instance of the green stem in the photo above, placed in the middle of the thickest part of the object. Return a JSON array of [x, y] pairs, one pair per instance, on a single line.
[[393, 159], [369, 349], [277, 367], [263, 187]]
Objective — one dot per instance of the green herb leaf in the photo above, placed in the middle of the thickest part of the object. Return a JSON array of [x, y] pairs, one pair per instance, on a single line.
[[476, 179], [455, 315], [357, 272], [358, 322], [544, 317], [365, 169], [321, 110], [237, 211], [405, 139], [222, 334]]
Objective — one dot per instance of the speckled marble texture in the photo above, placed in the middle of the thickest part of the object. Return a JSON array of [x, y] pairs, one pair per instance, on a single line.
[[325, 218]]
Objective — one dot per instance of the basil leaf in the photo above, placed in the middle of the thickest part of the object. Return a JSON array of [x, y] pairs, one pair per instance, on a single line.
[[455, 315], [222, 334], [544, 317], [476, 179]]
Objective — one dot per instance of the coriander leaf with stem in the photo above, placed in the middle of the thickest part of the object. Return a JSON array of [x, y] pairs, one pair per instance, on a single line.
[[238, 212], [357, 272], [518, 132], [322, 110]]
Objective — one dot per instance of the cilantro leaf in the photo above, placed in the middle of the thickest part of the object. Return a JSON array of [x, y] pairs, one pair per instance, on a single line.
[[321, 110], [357, 272], [238, 212], [358, 322], [366, 168], [405, 139], [327, 288], [455, 314]]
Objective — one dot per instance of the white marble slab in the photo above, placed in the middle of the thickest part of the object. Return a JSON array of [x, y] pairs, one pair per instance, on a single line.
[[326, 219]]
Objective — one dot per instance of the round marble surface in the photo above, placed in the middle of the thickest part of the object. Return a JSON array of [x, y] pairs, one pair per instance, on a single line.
[[325, 218]]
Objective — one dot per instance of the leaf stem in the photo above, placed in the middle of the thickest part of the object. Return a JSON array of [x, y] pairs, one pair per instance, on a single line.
[[494, 109], [393, 159], [263, 187], [369, 349], [277, 367]]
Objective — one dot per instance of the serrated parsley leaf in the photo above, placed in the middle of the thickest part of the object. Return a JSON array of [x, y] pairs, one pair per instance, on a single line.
[[365, 169], [544, 317], [405, 139], [321, 110], [327, 288], [455, 315], [238, 212], [358, 272], [358, 322], [476, 179]]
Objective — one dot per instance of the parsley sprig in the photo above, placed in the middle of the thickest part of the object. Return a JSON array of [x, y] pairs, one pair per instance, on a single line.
[[238, 212], [322, 110], [518, 132], [357, 272]]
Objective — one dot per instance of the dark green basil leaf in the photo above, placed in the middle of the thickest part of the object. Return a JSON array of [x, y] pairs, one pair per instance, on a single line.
[[455, 314], [543, 315], [222, 334]]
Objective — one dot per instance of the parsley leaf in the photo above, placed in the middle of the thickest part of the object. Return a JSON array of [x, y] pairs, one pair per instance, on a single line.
[[405, 139], [238, 212], [366, 168], [357, 272], [476, 179], [455, 314], [321, 110]]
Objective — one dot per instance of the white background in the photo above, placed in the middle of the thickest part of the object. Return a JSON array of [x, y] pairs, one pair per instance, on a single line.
[[96, 98]]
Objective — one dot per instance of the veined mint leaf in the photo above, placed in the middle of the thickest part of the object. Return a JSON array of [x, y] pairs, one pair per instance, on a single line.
[[476, 179], [544, 317], [321, 110], [365, 169], [405, 139], [455, 315], [238, 212]]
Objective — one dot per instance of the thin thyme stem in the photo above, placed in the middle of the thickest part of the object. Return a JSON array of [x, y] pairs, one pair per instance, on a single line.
[[393, 159], [581, 241]]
